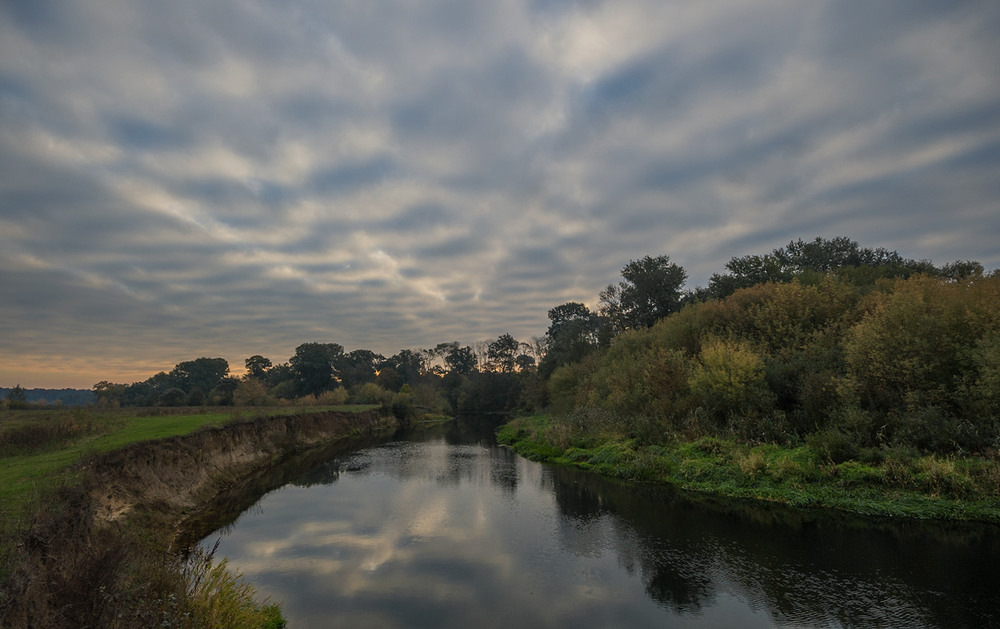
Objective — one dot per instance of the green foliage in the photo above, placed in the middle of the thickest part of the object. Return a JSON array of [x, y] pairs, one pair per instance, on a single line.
[[461, 360], [313, 366], [173, 397], [841, 256], [729, 380], [257, 366], [358, 367], [572, 334], [886, 482], [502, 353], [202, 374], [371, 393], [252, 392], [832, 445], [913, 362], [334, 397], [651, 288]]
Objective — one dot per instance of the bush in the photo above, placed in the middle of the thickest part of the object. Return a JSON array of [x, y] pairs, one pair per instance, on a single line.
[[728, 378], [336, 397], [252, 392], [173, 397], [371, 393], [832, 445]]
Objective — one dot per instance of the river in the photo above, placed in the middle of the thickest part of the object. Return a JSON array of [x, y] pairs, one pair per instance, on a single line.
[[443, 528]]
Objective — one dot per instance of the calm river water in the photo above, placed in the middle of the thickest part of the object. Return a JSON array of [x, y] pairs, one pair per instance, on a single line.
[[444, 529]]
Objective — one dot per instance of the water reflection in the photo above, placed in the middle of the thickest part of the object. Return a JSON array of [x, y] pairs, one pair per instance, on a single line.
[[446, 529]]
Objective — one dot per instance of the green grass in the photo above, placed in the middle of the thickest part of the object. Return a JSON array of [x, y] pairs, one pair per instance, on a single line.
[[880, 483]]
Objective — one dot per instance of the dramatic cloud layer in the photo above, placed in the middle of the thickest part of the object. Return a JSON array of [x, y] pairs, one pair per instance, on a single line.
[[183, 178]]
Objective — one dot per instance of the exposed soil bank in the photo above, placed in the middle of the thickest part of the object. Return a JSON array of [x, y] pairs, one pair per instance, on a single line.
[[179, 474], [102, 551]]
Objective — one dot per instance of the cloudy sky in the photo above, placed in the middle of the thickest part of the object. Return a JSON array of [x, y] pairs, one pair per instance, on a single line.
[[233, 177]]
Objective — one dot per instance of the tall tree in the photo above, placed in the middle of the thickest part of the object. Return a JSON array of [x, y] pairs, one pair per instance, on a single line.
[[461, 360], [407, 364], [502, 353], [108, 393], [257, 366], [650, 290], [313, 366], [202, 374], [358, 367], [572, 334]]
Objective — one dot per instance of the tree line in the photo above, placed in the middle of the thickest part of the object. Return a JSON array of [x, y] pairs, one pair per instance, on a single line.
[[820, 339], [487, 376]]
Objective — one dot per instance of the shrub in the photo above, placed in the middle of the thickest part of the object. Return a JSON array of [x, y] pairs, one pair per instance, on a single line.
[[371, 393], [173, 397], [251, 392], [336, 397], [728, 377], [832, 445]]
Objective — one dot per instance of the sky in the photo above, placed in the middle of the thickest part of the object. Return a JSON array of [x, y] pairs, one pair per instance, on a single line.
[[237, 177]]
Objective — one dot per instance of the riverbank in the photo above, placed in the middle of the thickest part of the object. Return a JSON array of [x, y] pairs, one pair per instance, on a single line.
[[881, 483], [100, 549]]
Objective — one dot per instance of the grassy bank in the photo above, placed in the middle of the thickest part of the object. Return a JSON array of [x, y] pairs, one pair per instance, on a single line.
[[58, 468], [819, 473]]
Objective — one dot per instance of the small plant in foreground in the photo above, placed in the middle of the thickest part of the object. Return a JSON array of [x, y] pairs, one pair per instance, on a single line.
[[221, 597]]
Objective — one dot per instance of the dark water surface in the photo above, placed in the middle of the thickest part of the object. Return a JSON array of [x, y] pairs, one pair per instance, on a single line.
[[445, 529]]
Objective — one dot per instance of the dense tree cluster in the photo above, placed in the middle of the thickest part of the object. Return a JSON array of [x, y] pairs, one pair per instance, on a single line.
[[818, 340]]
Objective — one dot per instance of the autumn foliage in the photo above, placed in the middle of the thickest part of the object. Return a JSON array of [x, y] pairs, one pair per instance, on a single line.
[[905, 362]]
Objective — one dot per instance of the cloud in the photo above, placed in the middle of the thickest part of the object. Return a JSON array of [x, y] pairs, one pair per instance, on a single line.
[[387, 176]]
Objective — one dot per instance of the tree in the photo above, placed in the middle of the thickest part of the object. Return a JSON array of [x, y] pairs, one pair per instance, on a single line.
[[408, 365], [840, 254], [222, 393], [434, 357], [358, 367], [461, 360], [203, 374], [502, 353], [313, 366], [524, 362], [257, 366], [173, 397], [17, 397], [108, 393], [650, 291], [572, 334], [251, 392], [961, 270]]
